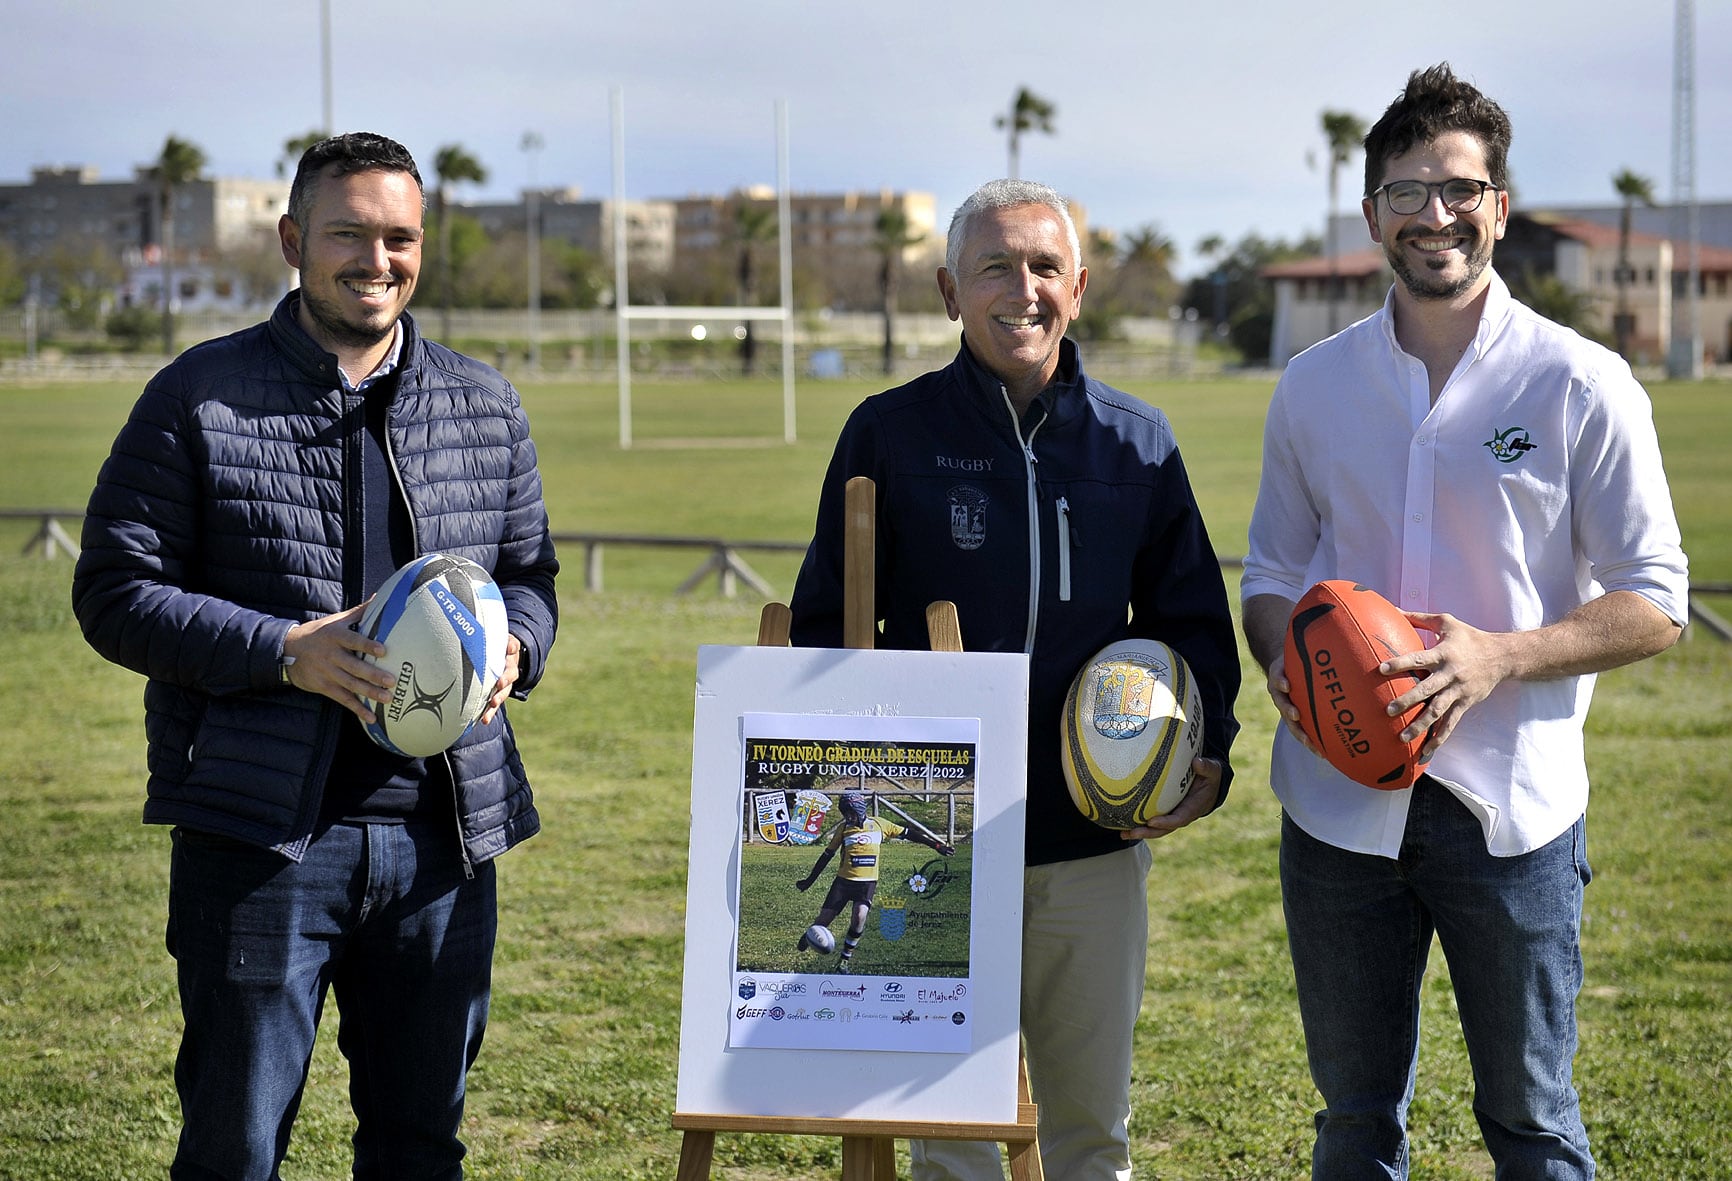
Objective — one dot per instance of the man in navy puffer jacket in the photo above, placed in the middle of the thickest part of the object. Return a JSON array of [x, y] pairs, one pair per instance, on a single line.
[[1054, 511], [264, 486]]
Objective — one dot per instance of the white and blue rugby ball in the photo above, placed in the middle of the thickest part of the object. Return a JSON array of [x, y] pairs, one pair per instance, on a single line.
[[442, 621], [1133, 721]]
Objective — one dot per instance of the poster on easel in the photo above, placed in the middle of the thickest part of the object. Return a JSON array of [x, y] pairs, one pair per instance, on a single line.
[[865, 945], [888, 987]]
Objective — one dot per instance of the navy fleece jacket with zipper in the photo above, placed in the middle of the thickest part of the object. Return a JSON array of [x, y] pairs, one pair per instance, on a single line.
[[1054, 535]]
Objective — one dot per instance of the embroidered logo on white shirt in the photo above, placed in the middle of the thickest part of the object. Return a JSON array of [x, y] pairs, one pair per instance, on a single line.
[[1510, 444]]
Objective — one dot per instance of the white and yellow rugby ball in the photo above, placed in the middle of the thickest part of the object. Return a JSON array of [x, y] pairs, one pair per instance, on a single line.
[[1133, 721]]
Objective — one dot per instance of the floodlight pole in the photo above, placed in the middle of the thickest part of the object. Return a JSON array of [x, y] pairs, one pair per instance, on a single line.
[[1684, 358], [785, 242], [533, 143], [329, 127]]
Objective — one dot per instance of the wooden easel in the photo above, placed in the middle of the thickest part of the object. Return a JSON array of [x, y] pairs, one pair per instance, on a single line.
[[868, 1146]]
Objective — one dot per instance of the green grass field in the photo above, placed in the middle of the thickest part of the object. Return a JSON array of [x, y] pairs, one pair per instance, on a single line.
[[773, 914], [577, 1078]]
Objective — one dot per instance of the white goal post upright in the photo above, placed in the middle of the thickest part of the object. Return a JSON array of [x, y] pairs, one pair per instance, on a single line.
[[624, 313], [621, 291]]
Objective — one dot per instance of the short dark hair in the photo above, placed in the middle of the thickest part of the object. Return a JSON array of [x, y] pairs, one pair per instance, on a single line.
[[355, 151], [1435, 102]]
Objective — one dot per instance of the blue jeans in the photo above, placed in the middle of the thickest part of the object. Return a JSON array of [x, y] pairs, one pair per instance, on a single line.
[[1359, 928], [384, 917]]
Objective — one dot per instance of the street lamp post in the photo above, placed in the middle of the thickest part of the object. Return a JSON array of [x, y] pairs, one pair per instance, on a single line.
[[532, 143], [328, 127]]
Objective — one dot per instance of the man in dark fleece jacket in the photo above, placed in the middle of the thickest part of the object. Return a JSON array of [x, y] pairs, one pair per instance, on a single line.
[[1054, 511], [263, 488]]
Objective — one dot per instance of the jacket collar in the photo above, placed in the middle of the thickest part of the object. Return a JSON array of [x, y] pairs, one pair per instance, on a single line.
[[306, 354], [986, 391]]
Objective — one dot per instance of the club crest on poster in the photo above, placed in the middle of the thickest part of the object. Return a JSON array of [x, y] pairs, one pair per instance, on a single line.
[[810, 808]]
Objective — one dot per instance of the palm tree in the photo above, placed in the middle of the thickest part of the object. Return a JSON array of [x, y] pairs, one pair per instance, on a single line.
[[179, 163], [453, 165], [1028, 112], [1210, 248], [752, 224], [295, 147], [892, 238], [1144, 282], [1632, 187], [1345, 132]]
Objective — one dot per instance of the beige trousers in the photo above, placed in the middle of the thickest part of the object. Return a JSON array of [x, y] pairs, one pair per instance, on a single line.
[[1085, 934]]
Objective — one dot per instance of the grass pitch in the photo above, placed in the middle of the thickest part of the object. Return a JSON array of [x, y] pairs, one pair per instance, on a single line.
[[577, 1078], [928, 937]]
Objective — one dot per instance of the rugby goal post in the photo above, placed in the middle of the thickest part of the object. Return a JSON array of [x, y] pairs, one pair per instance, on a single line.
[[783, 313]]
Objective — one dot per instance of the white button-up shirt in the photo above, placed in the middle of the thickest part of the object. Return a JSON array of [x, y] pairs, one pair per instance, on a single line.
[[1532, 485]]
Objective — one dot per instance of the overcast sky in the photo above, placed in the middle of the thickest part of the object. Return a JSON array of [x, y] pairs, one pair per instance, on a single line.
[[1198, 117]]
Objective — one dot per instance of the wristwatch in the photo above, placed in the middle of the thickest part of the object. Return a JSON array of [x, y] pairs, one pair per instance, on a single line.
[[283, 663]]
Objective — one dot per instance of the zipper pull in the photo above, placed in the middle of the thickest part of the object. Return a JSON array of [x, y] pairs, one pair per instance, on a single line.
[[1065, 534], [1069, 527]]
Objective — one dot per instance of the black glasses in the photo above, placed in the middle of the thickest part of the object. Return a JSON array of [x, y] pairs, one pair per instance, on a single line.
[[1460, 194]]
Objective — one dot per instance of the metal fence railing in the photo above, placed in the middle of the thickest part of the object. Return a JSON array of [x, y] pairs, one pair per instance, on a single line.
[[721, 559]]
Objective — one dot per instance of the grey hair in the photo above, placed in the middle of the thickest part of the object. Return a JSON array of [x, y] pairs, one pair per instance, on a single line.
[[1007, 194]]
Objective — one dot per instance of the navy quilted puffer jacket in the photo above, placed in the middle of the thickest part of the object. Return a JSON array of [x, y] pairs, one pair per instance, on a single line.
[[218, 522]]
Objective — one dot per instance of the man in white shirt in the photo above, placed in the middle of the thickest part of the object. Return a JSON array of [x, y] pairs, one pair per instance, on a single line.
[[1498, 478]]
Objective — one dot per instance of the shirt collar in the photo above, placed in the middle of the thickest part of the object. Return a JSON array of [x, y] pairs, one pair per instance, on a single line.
[[385, 367], [1499, 304]]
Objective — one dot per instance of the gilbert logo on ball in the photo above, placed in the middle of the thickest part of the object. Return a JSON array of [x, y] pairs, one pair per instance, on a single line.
[[442, 621], [1133, 721], [1337, 636]]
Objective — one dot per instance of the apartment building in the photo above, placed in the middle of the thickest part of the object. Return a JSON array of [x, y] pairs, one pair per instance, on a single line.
[[563, 215], [834, 237], [72, 207]]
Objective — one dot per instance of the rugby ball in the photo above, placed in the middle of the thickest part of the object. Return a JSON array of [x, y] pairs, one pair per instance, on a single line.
[[820, 940], [442, 621], [1337, 636], [1133, 721]]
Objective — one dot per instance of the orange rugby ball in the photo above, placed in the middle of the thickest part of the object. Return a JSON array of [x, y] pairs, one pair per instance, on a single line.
[[1337, 636]]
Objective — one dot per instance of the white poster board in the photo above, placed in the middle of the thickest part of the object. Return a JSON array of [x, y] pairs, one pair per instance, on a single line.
[[936, 1043]]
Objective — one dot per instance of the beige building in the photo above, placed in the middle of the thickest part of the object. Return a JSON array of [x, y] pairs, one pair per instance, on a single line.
[[834, 235], [563, 215], [1304, 310], [1659, 270], [833, 238]]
